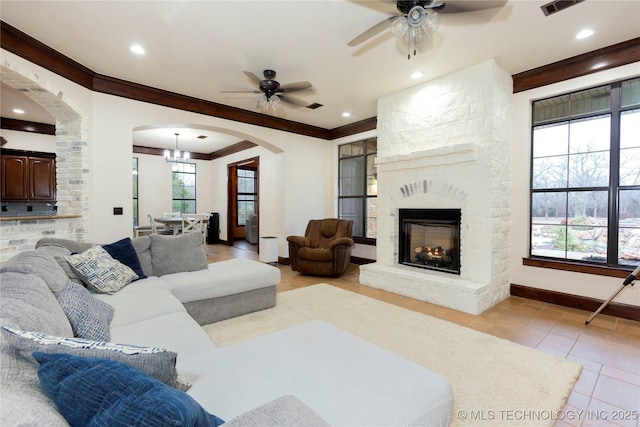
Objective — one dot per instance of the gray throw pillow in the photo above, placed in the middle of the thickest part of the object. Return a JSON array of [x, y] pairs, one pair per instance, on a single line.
[[41, 264], [176, 254], [156, 362], [89, 317], [60, 255], [72, 246], [100, 271], [142, 246], [23, 401], [28, 303]]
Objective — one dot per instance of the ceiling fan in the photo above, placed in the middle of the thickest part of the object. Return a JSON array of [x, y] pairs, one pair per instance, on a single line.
[[420, 18], [273, 93]]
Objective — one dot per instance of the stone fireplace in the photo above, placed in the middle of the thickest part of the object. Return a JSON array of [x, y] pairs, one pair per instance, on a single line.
[[444, 146]]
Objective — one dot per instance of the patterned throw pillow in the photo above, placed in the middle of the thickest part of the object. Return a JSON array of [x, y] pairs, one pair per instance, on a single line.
[[100, 271], [89, 317], [93, 391], [157, 362]]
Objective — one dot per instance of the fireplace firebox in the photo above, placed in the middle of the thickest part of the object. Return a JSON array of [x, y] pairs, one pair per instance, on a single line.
[[430, 239]]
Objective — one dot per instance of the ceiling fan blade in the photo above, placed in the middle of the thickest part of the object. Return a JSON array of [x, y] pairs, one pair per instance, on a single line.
[[294, 87], [376, 29], [254, 79], [293, 100], [459, 6], [240, 91]]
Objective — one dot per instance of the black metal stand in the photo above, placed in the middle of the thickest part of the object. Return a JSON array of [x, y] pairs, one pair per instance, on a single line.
[[628, 281]]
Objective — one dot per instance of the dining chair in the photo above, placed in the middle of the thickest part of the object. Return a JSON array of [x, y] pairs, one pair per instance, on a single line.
[[154, 227], [194, 223]]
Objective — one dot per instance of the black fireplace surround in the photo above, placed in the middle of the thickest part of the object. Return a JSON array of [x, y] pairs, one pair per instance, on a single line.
[[430, 239]]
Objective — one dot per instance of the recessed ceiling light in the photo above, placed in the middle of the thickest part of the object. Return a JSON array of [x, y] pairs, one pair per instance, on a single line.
[[136, 48], [18, 111], [416, 74], [346, 114], [584, 34], [599, 65]]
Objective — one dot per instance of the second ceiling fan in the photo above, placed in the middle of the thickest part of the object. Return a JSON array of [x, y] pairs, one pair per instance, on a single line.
[[273, 93], [420, 18]]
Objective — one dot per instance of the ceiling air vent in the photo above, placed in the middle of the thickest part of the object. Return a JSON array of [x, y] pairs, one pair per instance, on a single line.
[[557, 6], [314, 106], [201, 136]]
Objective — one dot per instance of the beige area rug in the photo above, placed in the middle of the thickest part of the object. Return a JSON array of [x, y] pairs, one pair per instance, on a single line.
[[495, 382]]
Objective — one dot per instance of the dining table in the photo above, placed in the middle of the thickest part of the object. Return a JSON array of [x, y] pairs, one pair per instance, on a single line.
[[173, 223]]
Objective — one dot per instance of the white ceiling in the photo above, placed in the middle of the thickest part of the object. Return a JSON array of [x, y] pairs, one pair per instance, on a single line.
[[199, 48]]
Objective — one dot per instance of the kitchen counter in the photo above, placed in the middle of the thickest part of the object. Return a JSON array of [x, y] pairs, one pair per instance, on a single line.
[[37, 217]]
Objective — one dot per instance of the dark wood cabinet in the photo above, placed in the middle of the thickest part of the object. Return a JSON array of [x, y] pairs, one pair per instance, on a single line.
[[42, 179], [28, 176], [15, 178]]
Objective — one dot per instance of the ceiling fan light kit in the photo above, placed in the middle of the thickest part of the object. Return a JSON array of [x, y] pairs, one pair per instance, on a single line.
[[419, 18], [270, 105], [415, 25]]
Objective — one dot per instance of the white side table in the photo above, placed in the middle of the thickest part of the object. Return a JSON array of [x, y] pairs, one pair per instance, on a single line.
[[268, 249]]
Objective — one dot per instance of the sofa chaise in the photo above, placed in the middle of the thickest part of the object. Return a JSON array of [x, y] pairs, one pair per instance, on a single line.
[[209, 292], [312, 374]]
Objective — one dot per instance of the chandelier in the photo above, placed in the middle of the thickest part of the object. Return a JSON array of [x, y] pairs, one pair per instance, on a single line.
[[417, 21], [176, 156]]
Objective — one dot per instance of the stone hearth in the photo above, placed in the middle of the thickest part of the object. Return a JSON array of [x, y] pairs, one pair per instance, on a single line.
[[444, 145]]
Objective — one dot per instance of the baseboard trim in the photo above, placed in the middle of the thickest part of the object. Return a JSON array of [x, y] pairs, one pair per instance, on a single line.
[[283, 260], [625, 311], [361, 261], [354, 260]]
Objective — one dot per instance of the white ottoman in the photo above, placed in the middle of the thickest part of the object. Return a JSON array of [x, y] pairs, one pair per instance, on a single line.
[[347, 380]]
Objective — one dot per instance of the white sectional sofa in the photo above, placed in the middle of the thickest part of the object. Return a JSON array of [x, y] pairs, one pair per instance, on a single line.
[[313, 374], [209, 292]]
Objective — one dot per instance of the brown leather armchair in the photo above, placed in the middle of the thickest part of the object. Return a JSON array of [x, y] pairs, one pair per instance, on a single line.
[[325, 249]]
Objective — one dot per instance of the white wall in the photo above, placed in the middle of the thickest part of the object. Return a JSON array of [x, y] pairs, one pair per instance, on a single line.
[[28, 141], [588, 285]]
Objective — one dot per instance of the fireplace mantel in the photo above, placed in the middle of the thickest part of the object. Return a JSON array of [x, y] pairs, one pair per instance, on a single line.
[[449, 155]]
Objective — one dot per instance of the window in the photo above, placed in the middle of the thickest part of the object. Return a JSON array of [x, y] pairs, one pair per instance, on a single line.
[[183, 177], [358, 188], [585, 180], [247, 194], [136, 215]]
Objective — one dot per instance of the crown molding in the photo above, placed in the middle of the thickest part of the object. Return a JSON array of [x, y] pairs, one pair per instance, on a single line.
[[227, 151], [595, 61], [27, 126]]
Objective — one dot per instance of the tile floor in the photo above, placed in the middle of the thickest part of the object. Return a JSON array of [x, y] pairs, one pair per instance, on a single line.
[[608, 390]]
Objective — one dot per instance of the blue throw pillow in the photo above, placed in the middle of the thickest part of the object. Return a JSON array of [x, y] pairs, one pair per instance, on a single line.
[[101, 392], [123, 251]]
